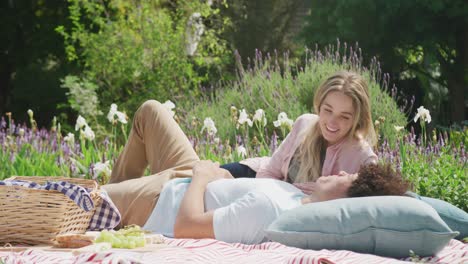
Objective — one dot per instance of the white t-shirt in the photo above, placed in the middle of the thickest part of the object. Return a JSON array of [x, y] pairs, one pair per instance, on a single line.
[[243, 207]]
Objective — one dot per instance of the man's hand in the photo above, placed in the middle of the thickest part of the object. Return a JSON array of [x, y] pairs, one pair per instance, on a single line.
[[192, 221], [206, 171]]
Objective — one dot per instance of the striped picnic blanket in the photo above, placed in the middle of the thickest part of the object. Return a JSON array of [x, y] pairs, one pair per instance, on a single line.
[[212, 251]]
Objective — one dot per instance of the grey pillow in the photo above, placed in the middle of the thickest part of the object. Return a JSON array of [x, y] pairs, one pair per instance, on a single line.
[[454, 217], [383, 225]]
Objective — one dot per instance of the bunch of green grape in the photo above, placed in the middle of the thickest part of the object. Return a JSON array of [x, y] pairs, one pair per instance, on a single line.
[[128, 237]]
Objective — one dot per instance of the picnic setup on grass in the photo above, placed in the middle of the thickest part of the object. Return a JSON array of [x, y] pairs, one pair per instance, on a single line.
[[234, 131], [49, 220]]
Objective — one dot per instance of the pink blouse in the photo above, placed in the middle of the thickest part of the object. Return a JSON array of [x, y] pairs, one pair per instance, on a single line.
[[348, 155]]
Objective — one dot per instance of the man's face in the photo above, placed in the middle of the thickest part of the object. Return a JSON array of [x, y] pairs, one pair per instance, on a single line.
[[333, 187]]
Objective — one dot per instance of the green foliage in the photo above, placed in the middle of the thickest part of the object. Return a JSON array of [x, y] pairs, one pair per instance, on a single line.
[[37, 86], [29, 162], [427, 58], [288, 89], [262, 90], [82, 96], [31, 54], [437, 168], [266, 25], [135, 50], [438, 177], [31, 152]]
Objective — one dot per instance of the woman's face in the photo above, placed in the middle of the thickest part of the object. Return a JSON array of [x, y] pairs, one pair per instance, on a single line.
[[336, 116], [333, 187]]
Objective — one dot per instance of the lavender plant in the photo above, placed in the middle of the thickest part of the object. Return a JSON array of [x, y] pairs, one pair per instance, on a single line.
[[437, 166], [219, 131], [275, 84], [28, 151]]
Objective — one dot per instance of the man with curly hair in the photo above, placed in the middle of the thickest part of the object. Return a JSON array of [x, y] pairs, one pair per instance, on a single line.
[[215, 205]]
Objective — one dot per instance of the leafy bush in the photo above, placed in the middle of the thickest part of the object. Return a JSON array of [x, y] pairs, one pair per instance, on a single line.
[[437, 168], [290, 88], [30, 151], [82, 96], [136, 50]]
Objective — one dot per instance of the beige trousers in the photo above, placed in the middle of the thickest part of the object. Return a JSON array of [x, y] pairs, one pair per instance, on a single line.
[[155, 140]]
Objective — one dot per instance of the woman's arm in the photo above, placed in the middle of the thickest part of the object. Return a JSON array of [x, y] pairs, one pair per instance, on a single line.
[[192, 221]]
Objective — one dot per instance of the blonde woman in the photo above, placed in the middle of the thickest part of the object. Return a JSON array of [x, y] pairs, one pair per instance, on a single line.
[[338, 139]]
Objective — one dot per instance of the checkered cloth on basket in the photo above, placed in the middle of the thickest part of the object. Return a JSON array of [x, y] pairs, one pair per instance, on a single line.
[[106, 216]]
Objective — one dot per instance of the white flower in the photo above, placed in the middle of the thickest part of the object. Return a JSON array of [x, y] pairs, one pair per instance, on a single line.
[[209, 125], [102, 168], [244, 118], [69, 138], [88, 133], [121, 117], [283, 120], [21, 132], [260, 117], [111, 114], [169, 106], [241, 151], [80, 122], [216, 140], [398, 128], [424, 114], [30, 113]]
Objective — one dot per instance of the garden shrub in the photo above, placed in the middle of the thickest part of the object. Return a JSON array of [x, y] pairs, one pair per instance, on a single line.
[[436, 168], [288, 88], [136, 50]]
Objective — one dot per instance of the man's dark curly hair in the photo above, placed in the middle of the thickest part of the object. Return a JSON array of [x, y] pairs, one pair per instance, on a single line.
[[377, 179]]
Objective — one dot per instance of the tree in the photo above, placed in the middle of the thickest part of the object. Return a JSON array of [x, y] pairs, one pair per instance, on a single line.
[[31, 56], [137, 50], [422, 41], [266, 25]]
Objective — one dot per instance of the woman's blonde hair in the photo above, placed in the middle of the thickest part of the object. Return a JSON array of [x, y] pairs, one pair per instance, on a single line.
[[312, 150]]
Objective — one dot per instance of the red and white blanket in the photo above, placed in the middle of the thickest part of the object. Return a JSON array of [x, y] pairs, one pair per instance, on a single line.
[[212, 251]]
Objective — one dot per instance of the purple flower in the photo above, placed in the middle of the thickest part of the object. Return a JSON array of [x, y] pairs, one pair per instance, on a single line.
[[72, 169], [441, 140], [239, 140], [66, 149], [106, 143], [3, 123]]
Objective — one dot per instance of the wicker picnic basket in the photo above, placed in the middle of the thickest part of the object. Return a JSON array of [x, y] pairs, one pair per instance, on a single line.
[[33, 217]]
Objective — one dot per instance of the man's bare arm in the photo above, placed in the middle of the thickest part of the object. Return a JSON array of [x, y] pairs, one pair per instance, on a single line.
[[192, 221]]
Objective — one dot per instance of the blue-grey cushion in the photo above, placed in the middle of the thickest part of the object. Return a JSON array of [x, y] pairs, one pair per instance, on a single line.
[[382, 225], [454, 217]]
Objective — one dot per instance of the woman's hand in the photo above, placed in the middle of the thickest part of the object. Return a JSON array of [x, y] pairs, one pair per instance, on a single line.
[[206, 171]]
